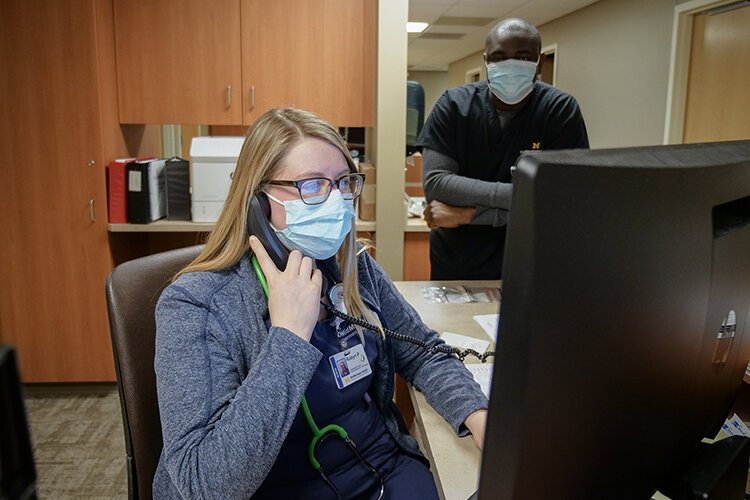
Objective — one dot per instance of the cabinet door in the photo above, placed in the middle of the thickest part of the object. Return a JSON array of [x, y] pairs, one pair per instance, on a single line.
[[317, 55], [54, 258], [178, 61]]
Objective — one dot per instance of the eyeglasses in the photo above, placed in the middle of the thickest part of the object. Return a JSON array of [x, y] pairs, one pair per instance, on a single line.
[[315, 190]]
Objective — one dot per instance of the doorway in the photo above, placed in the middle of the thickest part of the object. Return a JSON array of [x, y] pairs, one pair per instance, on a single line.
[[717, 104], [710, 59], [548, 73]]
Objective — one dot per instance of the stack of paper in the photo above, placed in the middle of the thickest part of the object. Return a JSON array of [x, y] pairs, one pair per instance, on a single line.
[[482, 373], [489, 323]]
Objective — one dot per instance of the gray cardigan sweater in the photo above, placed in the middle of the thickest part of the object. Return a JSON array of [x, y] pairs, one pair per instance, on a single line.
[[229, 387]]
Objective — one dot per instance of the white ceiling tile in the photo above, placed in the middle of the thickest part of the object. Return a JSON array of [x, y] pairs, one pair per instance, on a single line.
[[413, 60], [501, 4], [538, 15], [417, 52], [476, 38], [451, 29], [426, 13], [437, 46], [493, 12], [427, 67], [431, 2], [566, 5]]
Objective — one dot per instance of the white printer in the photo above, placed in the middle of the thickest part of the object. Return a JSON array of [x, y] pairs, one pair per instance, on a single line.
[[212, 163]]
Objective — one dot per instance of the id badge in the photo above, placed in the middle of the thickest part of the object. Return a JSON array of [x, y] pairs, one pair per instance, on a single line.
[[350, 366]]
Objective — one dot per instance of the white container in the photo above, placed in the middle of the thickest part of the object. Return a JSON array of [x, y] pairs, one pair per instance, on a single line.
[[212, 164]]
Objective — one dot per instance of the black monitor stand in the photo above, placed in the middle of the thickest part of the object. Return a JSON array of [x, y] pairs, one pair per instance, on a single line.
[[716, 470]]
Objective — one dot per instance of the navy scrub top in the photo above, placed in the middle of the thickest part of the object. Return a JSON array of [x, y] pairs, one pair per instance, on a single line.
[[292, 476]]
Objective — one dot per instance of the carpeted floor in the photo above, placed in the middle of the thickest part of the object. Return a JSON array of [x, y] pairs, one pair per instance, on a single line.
[[79, 448]]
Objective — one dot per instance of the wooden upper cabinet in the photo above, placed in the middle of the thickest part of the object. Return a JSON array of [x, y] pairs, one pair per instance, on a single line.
[[178, 61], [225, 62], [317, 55]]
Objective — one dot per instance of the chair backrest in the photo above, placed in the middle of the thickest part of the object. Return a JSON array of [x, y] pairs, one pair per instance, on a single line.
[[132, 289]]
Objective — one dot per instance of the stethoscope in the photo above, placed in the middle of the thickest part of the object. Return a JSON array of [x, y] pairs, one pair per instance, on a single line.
[[319, 435]]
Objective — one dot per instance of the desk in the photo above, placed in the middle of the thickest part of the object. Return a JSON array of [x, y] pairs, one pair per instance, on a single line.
[[455, 461]]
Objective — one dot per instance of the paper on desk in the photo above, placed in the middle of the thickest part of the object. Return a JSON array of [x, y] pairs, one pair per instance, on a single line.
[[464, 342], [482, 373], [734, 426], [489, 323]]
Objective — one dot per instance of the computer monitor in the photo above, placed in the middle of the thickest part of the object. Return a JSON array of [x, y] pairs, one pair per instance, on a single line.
[[17, 471], [624, 332]]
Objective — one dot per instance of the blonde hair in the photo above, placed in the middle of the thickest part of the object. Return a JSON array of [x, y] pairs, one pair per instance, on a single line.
[[267, 142]]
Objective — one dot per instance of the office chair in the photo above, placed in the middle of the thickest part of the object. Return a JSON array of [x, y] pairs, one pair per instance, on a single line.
[[132, 289]]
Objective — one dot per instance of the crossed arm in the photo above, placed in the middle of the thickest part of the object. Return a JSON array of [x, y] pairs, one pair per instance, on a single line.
[[455, 200]]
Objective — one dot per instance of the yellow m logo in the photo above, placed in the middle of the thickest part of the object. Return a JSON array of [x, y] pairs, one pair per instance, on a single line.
[[536, 145]]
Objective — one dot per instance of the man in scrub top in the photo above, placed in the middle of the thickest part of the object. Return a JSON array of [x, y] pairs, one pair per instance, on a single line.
[[471, 139]]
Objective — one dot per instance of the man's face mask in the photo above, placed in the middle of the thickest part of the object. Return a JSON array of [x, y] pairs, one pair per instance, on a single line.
[[511, 80], [316, 230]]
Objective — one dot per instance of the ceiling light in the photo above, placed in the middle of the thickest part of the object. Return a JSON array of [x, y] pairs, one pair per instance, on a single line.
[[416, 27]]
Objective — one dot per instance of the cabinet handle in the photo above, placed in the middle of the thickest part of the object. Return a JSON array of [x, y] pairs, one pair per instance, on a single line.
[[252, 97], [229, 96], [92, 212], [91, 163]]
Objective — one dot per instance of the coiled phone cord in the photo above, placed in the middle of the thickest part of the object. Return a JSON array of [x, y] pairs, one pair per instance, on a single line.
[[461, 354]]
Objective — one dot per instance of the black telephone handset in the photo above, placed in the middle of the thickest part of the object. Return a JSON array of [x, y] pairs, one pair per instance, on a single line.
[[259, 224]]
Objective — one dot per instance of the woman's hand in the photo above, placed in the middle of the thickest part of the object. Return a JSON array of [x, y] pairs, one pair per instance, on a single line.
[[476, 423], [294, 293]]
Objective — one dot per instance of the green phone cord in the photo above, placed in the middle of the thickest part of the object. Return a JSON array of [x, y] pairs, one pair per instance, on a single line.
[[317, 432]]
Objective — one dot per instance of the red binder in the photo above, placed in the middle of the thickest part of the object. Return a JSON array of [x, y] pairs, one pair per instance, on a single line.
[[118, 189]]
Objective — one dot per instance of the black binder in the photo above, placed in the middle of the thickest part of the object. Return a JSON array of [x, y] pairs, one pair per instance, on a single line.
[[147, 191], [138, 192], [178, 189]]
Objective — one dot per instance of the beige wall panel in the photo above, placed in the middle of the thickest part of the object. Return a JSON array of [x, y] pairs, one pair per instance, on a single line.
[[613, 56], [434, 84], [457, 70]]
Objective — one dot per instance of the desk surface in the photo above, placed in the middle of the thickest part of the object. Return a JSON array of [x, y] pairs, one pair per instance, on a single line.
[[455, 461]]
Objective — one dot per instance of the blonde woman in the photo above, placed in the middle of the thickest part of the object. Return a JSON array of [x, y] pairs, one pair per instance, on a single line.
[[265, 394]]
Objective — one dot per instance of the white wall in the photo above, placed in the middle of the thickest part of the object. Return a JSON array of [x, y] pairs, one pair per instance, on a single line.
[[457, 69], [613, 56], [434, 84]]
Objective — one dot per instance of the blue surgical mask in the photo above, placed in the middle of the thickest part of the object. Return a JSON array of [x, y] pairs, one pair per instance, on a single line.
[[511, 80], [316, 230]]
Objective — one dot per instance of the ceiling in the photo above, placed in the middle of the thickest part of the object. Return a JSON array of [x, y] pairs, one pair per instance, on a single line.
[[458, 27]]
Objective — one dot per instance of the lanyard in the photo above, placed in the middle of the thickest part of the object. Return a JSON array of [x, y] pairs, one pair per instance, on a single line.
[[318, 433], [328, 430]]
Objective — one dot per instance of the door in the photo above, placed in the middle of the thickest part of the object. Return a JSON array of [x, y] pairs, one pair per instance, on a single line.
[[717, 98], [318, 55], [178, 61], [55, 256], [547, 74]]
